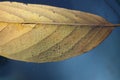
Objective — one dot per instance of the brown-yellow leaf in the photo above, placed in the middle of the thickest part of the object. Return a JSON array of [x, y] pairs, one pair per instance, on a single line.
[[41, 33]]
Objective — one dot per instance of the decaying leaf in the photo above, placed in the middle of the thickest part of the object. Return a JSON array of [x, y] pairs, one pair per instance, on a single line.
[[41, 33]]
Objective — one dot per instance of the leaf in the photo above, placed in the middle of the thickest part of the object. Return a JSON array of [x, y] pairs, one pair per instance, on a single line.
[[41, 33]]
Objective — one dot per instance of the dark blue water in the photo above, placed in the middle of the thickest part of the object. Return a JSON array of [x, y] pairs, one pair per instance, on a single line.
[[101, 63]]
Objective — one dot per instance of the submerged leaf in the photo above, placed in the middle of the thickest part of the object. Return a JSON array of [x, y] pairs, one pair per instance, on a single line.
[[41, 33]]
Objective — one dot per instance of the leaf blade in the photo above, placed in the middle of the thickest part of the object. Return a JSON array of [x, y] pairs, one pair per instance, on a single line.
[[41, 33]]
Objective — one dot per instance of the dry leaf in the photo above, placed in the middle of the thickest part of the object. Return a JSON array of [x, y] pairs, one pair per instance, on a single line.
[[41, 33]]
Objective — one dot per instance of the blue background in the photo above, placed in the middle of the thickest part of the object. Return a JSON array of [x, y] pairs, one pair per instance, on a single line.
[[101, 63]]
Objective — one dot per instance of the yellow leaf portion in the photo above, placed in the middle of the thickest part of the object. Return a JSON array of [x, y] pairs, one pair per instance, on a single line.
[[41, 33]]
